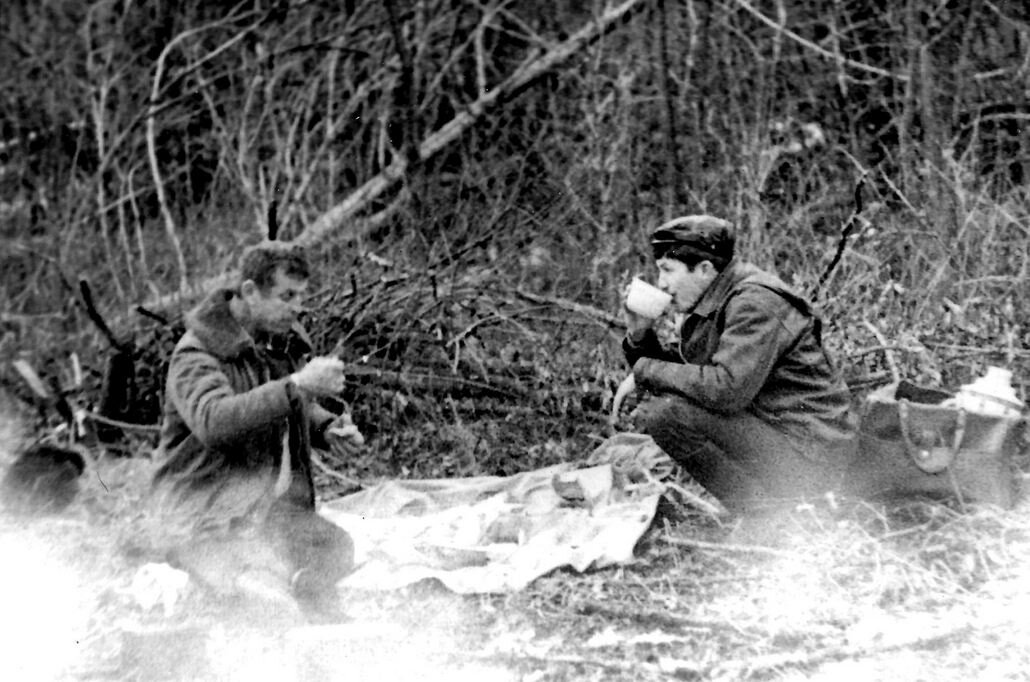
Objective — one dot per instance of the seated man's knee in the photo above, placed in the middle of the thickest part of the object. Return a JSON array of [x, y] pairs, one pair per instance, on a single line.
[[667, 417], [335, 549], [652, 414], [328, 559]]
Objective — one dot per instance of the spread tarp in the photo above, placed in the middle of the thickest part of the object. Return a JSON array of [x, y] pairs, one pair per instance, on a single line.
[[493, 534]]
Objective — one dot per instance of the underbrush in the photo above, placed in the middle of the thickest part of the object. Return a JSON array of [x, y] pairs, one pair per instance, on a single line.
[[854, 589], [490, 348]]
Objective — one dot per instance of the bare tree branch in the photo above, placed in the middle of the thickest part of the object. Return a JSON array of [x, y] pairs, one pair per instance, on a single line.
[[746, 6], [343, 220], [166, 214], [530, 69]]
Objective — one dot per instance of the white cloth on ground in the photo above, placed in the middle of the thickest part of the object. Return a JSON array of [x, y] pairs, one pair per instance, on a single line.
[[493, 534]]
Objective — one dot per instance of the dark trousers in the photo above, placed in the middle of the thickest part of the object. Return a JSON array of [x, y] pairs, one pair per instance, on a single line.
[[318, 552], [745, 462], [293, 551]]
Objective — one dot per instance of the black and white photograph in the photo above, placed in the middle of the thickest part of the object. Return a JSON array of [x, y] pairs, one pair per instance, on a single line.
[[514, 340]]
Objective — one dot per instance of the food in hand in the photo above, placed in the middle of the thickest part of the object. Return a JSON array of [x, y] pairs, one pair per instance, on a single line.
[[348, 431]]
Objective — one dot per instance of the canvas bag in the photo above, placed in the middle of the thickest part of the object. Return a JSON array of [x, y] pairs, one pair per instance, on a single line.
[[913, 442]]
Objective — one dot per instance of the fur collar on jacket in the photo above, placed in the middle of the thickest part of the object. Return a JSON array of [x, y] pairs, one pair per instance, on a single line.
[[222, 335]]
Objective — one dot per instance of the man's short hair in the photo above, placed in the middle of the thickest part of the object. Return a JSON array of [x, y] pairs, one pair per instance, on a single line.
[[260, 261], [695, 238]]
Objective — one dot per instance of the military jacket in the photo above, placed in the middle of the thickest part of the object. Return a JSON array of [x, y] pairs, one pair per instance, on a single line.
[[229, 415], [751, 343]]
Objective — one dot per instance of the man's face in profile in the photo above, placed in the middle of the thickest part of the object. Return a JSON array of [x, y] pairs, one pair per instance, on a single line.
[[276, 308], [685, 284]]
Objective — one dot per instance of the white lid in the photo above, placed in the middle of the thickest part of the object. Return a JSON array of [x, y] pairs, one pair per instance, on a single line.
[[995, 383]]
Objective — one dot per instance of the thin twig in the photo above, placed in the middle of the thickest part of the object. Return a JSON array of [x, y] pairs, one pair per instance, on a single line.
[[432, 382], [335, 475], [97, 319], [152, 110], [980, 350], [881, 349], [845, 232], [714, 510], [739, 668], [816, 48], [740, 549], [656, 617], [496, 317], [567, 659], [580, 308], [146, 428], [152, 315], [892, 362]]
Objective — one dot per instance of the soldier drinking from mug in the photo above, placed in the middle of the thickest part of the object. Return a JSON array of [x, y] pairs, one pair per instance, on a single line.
[[747, 399]]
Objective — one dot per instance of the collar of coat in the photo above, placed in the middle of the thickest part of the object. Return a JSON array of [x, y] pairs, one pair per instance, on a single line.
[[222, 334], [724, 283], [730, 279]]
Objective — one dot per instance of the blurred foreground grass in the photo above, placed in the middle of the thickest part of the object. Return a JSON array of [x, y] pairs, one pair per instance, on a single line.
[[914, 590]]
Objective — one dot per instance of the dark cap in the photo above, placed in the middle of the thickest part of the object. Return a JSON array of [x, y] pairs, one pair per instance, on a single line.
[[695, 238]]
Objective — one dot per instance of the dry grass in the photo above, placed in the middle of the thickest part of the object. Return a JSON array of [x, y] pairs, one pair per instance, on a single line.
[[848, 592], [917, 590], [930, 286], [914, 591]]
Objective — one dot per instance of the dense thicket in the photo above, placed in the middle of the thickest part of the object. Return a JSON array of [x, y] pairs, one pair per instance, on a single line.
[[143, 142]]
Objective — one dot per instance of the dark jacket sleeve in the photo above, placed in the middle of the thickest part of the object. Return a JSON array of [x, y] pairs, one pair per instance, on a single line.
[[211, 409], [759, 327], [650, 347]]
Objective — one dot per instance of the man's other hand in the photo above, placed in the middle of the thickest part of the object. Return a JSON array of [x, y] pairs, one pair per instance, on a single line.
[[321, 377], [343, 436]]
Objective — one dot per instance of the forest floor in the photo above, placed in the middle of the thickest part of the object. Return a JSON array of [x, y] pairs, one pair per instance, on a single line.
[[918, 590]]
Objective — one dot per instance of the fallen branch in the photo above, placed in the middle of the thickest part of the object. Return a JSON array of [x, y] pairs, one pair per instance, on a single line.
[[867, 380], [742, 668], [154, 106], [528, 71], [892, 361], [714, 510], [425, 382], [740, 549], [343, 218], [32, 379], [663, 618], [578, 308], [823, 52], [745, 668], [107, 421], [845, 232], [97, 319], [349, 483], [227, 279], [566, 659], [160, 319], [861, 352], [975, 350]]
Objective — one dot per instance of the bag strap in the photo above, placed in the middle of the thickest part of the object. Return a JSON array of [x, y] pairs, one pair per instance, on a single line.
[[924, 449]]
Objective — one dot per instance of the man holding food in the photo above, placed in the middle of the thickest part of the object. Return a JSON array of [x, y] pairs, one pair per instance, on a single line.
[[233, 491], [747, 399]]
